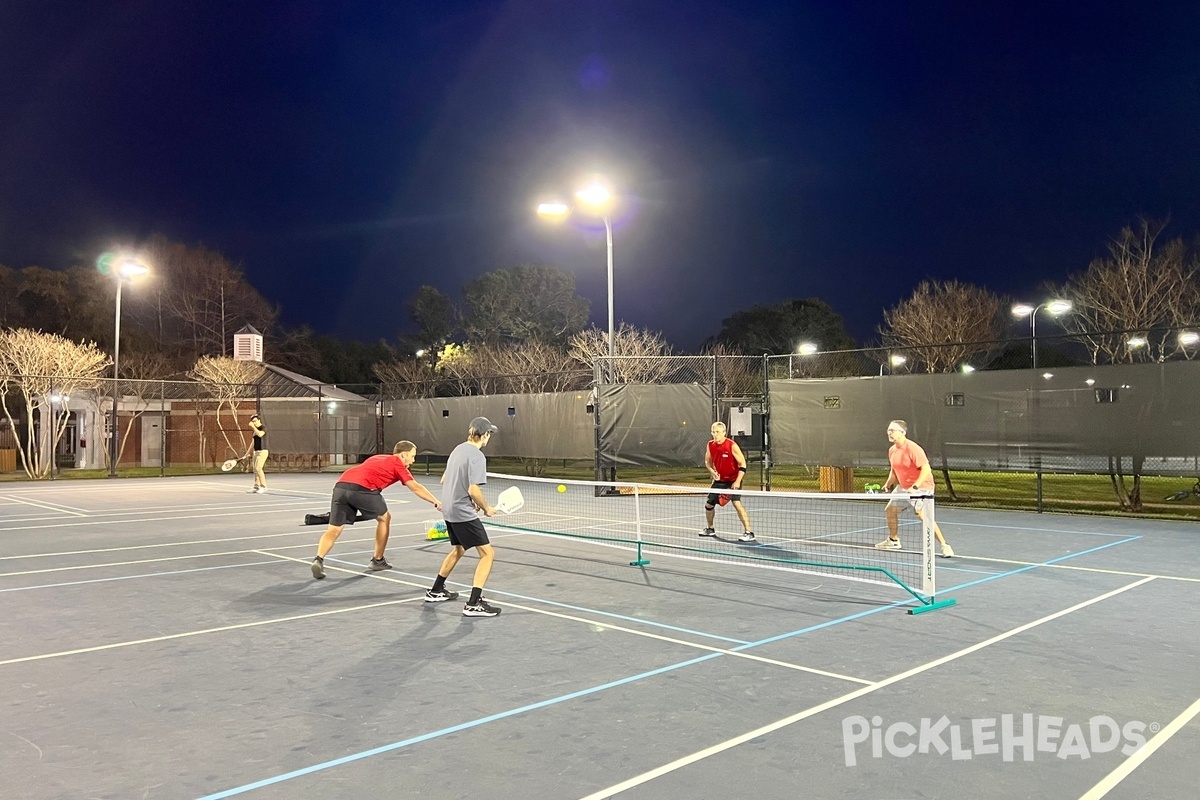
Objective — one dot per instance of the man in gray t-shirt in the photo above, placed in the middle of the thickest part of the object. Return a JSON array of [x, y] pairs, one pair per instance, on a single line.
[[466, 467], [462, 500]]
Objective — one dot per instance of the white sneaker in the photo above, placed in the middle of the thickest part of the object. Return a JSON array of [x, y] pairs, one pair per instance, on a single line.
[[888, 544], [947, 551], [261, 490]]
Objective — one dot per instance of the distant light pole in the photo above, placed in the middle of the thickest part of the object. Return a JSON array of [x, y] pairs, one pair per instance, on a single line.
[[597, 198], [1022, 310], [126, 271], [896, 361]]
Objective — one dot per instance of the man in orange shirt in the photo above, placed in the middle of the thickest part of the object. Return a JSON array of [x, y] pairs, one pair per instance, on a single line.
[[910, 472]]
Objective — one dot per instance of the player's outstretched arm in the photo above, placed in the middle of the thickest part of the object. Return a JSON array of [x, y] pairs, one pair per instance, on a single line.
[[423, 493]]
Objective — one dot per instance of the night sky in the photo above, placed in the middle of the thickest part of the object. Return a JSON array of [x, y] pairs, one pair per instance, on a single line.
[[344, 153]]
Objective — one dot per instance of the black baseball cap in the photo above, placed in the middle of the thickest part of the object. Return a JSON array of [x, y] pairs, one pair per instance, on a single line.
[[482, 425]]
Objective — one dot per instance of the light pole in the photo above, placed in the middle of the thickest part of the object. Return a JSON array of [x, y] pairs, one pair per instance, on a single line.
[[127, 271], [896, 361], [1021, 310], [597, 198]]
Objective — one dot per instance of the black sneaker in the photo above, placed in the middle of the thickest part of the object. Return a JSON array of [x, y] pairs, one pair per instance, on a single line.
[[709, 532], [440, 596], [480, 609], [318, 568], [747, 538], [379, 563]]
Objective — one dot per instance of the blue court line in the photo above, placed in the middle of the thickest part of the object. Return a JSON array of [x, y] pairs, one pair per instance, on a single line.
[[623, 681], [960, 524], [452, 729], [599, 613]]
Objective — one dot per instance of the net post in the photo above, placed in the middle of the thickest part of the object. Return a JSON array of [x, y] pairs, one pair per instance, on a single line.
[[928, 569], [928, 540], [641, 561]]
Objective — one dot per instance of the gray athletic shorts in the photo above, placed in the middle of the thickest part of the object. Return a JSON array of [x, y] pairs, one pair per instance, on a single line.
[[902, 499]]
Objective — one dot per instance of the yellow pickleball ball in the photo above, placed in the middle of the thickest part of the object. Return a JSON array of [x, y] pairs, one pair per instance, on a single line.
[[562, 487]]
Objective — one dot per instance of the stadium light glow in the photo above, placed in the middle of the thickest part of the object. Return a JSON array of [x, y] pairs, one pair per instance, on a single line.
[[595, 195], [806, 349], [553, 209], [1188, 338], [1022, 310]]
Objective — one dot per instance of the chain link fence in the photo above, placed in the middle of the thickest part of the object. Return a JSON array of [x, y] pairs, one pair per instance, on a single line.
[[1103, 423]]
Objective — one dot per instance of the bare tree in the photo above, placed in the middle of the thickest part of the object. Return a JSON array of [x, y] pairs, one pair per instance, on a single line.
[[142, 374], [198, 294], [1140, 287], [231, 383], [639, 352], [47, 372], [408, 377], [536, 367], [940, 325], [518, 368]]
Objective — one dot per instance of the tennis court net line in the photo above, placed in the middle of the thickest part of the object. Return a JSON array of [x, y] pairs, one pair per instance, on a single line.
[[824, 534]]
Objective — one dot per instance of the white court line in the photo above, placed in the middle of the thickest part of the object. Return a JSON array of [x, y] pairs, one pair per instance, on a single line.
[[58, 553], [292, 505], [699, 755], [135, 577], [47, 507], [58, 488], [610, 626], [1134, 761], [1085, 569], [121, 520], [222, 629], [167, 558], [709, 648], [325, 493]]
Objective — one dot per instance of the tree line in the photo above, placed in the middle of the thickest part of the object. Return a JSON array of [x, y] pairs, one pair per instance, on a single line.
[[530, 321]]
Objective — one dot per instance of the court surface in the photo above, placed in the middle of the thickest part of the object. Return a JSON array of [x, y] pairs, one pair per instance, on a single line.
[[164, 639]]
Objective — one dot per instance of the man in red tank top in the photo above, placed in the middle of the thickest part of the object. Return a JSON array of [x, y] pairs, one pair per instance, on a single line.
[[727, 466], [910, 472]]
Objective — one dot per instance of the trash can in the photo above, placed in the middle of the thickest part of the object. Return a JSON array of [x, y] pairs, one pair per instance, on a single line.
[[837, 479]]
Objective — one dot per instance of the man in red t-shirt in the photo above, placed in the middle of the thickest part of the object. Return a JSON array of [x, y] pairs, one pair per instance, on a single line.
[[910, 472], [726, 465], [358, 494]]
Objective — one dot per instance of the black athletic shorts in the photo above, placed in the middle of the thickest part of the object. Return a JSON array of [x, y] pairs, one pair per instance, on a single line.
[[712, 498], [467, 534], [350, 500]]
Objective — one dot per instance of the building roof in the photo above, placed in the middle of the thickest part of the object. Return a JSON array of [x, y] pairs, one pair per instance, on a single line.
[[275, 383], [280, 382]]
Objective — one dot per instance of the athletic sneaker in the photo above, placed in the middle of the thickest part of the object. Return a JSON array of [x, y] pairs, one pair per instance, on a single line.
[[747, 537], [440, 596], [480, 609], [261, 490], [888, 544], [708, 532], [252, 491], [318, 568], [378, 564], [947, 551]]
